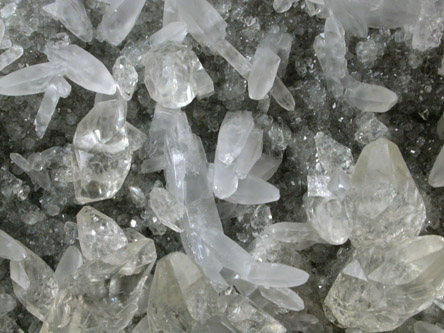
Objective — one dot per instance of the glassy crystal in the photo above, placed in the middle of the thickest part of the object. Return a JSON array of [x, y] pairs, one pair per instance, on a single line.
[[119, 20], [370, 129], [387, 284], [30, 80], [99, 235], [303, 235], [169, 74], [174, 31], [283, 297], [125, 76], [181, 297], [370, 97], [279, 43], [429, 28], [68, 264], [10, 55], [10, 249], [225, 181], [436, 177], [83, 68], [7, 303], [34, 284], [383, 202], [103, 294], [339, 184], [254, 191], [333, 155], [263, 72], [167, 209], [72, 14], [266, 166]]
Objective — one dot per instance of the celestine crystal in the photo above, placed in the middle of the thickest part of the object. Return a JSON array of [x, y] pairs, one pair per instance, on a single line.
[[260, 166]]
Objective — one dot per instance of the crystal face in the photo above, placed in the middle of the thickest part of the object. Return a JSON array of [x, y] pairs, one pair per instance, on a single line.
[[386, 284], [383, 202]]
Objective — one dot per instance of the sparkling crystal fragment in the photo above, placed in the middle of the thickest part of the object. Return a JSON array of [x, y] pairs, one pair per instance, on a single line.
[[10, 249], [99, 235], [72, 14], [119, 19], [383, 202], [167, 210], [370, 129], [125, 77], [68, 264], [389, 283]]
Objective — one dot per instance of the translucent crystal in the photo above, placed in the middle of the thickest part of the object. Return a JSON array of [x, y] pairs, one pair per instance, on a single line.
[[279, 43], [245, 317], [265, 167], [10, 55], [174, 31], [429, 29], [370, 129], [169, 74], [167, 209], [181, 297], [125, 76], [83, 68], [383, 202], [10, 249], [254, 191], [263, 72], [99, 235], [424, 327], [436, 177], [233, 135], [72, 14], [68, 264], [30, 80], [388, 284], [119, 20], [339, 184], [333, 155], [303, 235], [57, 88], [34, 284], [103, 294], [281, 6], [7, 303], [370, 97], [283, 297], [224, 181]]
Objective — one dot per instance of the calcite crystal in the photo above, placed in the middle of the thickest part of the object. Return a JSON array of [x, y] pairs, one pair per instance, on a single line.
[[386, 284], [10, 249], [383, 203]]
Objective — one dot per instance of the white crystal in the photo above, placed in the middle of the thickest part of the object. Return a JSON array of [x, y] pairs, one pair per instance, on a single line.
[[169, 12], [279, 43], [370, 97], [303, 235], [83, 68], [30, 80], [72, 14], [7, 303], [153, 164], [103, 294], [250, 154], [99, 235], [118, 20], [436, 177], [204, 83], [125, 77], [10, 55], [254, 191], [233, 135], [266, 166], [57, 88], [68, 264], [429, 28], [369, 295], [263, 72], [370, 129], [333, 155], [174, 31], [283, 297], [317, 185], [34, 284], [169, 74], [281, 6], [383, 202], [225, 181], [424, 327], [339, 184], [10, 249], [167, 209]]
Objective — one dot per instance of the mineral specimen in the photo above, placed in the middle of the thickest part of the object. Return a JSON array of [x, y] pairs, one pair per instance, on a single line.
[[436, 177], [10, 249]]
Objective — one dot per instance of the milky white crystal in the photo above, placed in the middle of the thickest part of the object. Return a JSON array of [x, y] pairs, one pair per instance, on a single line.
[[30, 80], [429, 28], [68, 264], [99, 235], [279, 43], [72, 14], [388, 284], [83, 68], [34, 284], [118, 20], [7, 303], [332, 155], [174, 31], [303, 235], [383, 202], [370, 129], [281, 6], [10, 55], [283, 297], [104, 293], [250, 154], [254, 191], [167, 209], [266, 166], [436, 177], [263, 72], [370, 98], [169, 74], [10, 249]]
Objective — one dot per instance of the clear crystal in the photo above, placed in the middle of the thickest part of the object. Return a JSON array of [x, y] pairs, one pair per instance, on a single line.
[[11, 249], [125, 76], [10, 55], [263, 72], [68, 264], [168, 210]]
